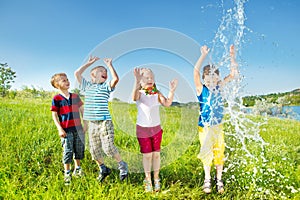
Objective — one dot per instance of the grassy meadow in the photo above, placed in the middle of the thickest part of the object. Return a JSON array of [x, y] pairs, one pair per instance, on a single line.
[[31, 154]]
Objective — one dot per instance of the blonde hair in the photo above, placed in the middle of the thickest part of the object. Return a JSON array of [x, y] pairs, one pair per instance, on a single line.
[[55, 79], [145, 70], [98, 67]]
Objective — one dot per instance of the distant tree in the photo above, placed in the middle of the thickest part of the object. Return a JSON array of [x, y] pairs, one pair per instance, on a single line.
[[7, 76], [116, 99]]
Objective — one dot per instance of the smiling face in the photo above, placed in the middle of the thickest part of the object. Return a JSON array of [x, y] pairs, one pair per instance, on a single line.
[[60, 81], [147, 79], [99, 74], [63, 83]]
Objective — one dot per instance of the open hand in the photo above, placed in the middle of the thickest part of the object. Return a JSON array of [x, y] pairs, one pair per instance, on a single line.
[[204, 50], [173, 85], [138, 74], [93, 59], [107, 61]]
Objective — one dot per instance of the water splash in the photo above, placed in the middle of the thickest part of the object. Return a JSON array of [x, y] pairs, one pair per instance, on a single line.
[[231, 31], [246, 158]]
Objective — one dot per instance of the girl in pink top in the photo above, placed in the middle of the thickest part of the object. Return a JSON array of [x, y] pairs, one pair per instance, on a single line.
[[148, 129]]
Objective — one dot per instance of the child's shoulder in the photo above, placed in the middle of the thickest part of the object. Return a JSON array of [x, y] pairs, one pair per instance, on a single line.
[[57, 96]]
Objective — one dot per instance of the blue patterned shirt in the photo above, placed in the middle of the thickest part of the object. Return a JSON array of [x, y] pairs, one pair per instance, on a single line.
[[211, 107]]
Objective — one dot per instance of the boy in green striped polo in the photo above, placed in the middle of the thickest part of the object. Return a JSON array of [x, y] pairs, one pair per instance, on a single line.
[[101, 129]]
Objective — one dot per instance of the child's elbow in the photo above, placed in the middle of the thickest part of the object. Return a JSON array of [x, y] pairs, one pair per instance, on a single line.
[[168, 103], [76, 74]]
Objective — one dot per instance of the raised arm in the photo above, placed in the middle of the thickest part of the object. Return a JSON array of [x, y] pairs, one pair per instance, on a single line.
[[168, 101], [81, 69], [233, 66], [137, 84], [115, 77], [197, 68]]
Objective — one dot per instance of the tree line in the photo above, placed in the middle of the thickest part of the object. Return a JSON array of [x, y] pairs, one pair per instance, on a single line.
[[7, 76]]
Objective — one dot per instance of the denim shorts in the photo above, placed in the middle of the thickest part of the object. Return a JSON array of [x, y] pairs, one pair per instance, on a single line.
[[73, 145]]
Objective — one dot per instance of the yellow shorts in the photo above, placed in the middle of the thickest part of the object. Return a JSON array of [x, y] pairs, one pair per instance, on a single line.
[[212, 145]]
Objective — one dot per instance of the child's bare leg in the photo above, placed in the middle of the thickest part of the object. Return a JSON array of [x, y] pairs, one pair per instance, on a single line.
[[219, 169], [118, 157], [67, 167], [77, 163], [207, 172], [156, 164], [147, 163], [219, 182], [207, 179], [100, 161], [156, 168]]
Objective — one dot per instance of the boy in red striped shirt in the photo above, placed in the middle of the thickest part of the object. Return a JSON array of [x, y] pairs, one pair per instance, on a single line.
[[66, 109]]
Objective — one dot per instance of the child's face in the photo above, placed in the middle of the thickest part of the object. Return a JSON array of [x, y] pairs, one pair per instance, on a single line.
[[63, 83], [147, 80], [211, 80], [99, 75]]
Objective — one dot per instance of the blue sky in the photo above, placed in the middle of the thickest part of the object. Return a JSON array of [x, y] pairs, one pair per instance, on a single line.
[[40, 38]]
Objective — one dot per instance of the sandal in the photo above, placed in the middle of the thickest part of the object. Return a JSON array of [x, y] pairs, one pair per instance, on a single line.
[[207, 186], [220, 186], [157, 185], [148, 186]]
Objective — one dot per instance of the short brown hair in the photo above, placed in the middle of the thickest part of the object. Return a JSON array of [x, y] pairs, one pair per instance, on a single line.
[[55, 78], [207, 70]]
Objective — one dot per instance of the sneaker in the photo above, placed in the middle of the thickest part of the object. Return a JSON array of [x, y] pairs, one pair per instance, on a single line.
[[105, 171], [157, 185], [78, 172], [123, 167], [207, 186], [220, 186], [148, 186], [67, 178]]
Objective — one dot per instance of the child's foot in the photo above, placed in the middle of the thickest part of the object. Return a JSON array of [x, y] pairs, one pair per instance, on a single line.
[[67, 178], [104, 172], [78, 172], [220, 186], [157, 185], [148, 186], [123, 167], [207, 186]]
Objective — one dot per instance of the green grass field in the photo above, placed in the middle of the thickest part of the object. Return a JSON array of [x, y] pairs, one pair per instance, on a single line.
[[31, 167]]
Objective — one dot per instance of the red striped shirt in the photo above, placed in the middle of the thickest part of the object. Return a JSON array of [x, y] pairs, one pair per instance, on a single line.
[[68, 111]]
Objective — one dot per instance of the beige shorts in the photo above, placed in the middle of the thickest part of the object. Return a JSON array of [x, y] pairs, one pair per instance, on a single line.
[[101, 138]]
